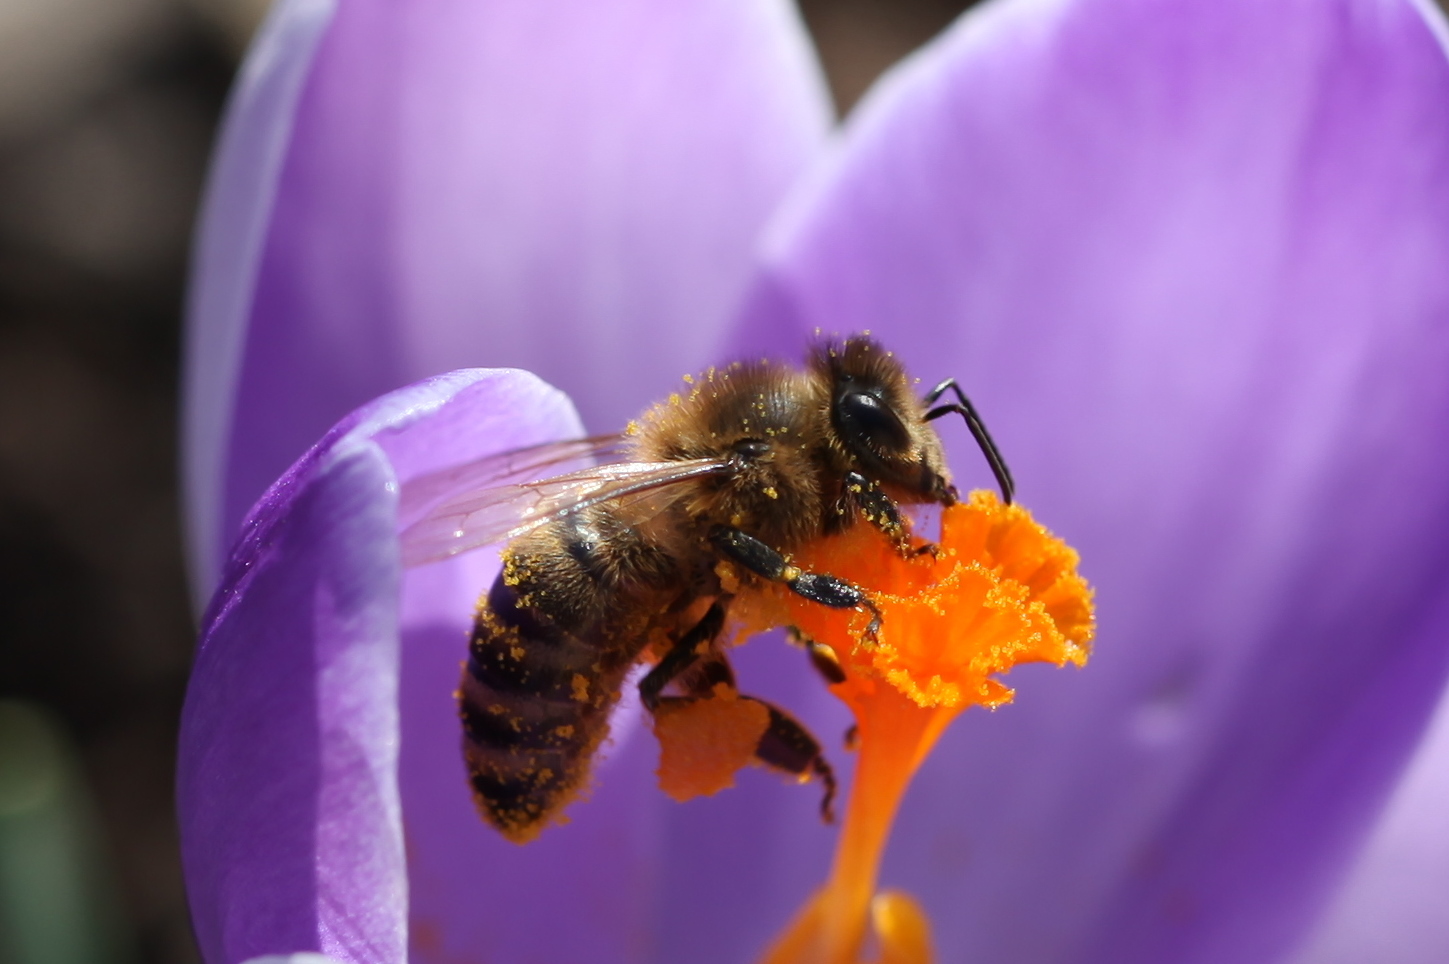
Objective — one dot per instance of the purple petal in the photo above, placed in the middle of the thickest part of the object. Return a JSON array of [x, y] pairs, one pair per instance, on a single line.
[[1188, 259], [1391, 908], [238, 203], [473, 895], [573, 187], [292, 832]]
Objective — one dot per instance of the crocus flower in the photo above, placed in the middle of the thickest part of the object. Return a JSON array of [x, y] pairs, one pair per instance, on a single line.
[[1189, 258]]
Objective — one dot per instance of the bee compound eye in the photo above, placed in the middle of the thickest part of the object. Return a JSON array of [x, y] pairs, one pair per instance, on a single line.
[[865, 417]]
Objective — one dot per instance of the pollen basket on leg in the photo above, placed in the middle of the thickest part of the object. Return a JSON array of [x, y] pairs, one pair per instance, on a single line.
[[704, 742]]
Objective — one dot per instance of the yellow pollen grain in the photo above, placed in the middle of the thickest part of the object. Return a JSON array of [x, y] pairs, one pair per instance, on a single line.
[[580, 688], [729, 579]]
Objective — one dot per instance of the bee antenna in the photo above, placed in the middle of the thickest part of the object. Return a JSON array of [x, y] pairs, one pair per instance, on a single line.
[[966, 410]]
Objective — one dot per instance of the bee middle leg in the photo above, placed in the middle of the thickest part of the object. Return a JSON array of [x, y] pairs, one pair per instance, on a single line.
[[822, 657], [827, 664], [767, 562]]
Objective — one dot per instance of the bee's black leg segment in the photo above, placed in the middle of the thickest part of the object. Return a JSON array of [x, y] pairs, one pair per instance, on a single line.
[[765, 561], [827, 664], [941, 389], [963, 407], [762, 560], [685, 652], [822, 657], [750, 552], [788, 746], [706, 674], [879, 509]]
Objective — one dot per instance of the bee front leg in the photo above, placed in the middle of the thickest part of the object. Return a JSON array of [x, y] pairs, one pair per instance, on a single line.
[[767, 562], [879, 509]]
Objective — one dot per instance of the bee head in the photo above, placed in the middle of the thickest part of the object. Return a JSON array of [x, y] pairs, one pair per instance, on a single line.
[[878, 421]]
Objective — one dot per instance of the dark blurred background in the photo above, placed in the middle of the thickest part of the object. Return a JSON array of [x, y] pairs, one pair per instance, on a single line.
[[107, 112]]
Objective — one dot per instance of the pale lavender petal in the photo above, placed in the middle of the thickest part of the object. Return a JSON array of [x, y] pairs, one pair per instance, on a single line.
[[293, 834], [1189, 259], [234, 222], [570, 186], [1391, 907]]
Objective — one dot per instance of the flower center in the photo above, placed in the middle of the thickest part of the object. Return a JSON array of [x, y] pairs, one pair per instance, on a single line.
[[998, 590]]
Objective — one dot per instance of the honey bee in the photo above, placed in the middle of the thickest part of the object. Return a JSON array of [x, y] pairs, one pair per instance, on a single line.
[[620, 562]]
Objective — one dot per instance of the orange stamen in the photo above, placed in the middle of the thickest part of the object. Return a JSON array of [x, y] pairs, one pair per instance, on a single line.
[[999, 590]]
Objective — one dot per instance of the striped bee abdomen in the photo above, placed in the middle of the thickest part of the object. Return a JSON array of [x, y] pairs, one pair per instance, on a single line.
[[536, 695]]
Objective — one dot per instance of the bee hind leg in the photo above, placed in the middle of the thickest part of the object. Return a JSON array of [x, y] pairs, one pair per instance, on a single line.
[[788, 746], [683, 655]]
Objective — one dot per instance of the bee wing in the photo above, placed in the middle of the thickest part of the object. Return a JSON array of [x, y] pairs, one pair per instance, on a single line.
[[471, 518], [422, 494]]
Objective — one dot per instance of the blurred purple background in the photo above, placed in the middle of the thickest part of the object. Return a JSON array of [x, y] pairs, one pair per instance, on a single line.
[[107, 110]]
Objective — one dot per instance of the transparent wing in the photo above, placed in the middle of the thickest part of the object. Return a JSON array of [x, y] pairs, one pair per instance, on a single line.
[[422, 494], [458, 516]]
